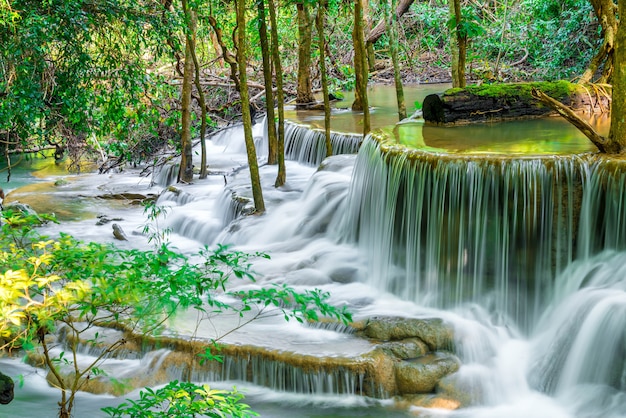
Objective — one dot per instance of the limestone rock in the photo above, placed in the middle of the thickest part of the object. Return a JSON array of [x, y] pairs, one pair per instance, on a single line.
[[433, 331], [422, 374]]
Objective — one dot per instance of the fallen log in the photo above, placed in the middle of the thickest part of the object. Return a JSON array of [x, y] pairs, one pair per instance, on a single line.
[[501, 102]]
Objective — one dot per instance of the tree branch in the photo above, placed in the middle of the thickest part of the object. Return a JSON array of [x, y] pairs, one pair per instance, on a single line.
[[603, 143]]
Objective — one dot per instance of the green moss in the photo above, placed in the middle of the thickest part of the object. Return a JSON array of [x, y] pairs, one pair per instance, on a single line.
[[556, 89]]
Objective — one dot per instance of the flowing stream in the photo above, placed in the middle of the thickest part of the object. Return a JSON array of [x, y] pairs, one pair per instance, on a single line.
[[525, 257]]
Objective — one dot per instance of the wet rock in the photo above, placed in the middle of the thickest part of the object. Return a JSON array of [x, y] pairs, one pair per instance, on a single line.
[[422, 375], [103, 220], [118, 233], [344, 275], [405, 349], [132, 198], [433, 331], [6, 389]]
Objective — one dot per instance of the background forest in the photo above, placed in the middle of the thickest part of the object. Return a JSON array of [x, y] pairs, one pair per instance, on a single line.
[[102, 79]]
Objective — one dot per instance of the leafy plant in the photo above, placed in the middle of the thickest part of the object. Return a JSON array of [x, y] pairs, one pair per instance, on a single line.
[[183, 399], [48, 285]]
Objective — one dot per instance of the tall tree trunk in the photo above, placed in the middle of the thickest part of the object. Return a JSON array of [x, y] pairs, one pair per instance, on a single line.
[[321, 17], [185, 173], [272, 157], [605, 12], [281, 177], [257, 191], [193, 23], [305, 88], [458, 46], [360, 67], [617, 134], [392, 22]]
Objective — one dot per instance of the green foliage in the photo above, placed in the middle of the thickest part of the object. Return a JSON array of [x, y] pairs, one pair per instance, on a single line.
[[183, 399], [73, 69], [560, 36], [470, 25], [46, 283]]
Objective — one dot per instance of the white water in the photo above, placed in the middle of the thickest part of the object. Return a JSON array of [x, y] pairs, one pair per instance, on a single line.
[[571, 364]]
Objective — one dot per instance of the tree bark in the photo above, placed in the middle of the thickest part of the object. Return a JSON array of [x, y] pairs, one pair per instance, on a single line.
[[458, 46], [193, 23], [360, 67], [392, 22], [305, 88], [604, 144], [321, 17], [257, 191], [272, 157], [281, 177], [617, 134], [605, 12], [185, 173]]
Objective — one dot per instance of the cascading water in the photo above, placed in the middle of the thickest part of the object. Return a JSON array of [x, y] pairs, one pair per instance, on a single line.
[[524, 257], [444, 230]]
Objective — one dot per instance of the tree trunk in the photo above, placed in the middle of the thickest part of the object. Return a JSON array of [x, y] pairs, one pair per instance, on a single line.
[[392, 22], [193, 23], [185, 173], [605, 12], [458, 46], [257, 191], [617, 134], [281, 177], [321, 17], [305, 88], [272, 157], [360, 67]]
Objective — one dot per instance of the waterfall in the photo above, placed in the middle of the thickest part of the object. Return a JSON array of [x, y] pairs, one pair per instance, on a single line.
[[308, 146], [444, 230]]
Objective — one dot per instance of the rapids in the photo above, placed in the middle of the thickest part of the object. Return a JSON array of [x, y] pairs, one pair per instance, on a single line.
[[525, 257]]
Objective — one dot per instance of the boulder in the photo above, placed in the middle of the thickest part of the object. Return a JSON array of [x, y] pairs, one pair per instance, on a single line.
[[433, 331], [6, 388], [422, 375]]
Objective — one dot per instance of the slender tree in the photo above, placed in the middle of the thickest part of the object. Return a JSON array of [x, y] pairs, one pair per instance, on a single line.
[[193, 23], [185, 173], [458, 44], [272, 157], [392, 22], [257, 191], [319, 21], [305, 38], [281, 177], [360, 67]]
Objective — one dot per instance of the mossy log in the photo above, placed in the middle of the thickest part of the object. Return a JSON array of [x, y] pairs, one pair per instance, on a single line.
[[501, 102]]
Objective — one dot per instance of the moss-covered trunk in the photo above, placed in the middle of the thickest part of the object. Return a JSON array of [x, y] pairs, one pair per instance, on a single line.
[[617, 135], [185, 173], [304, 93], [360, 67], [272, 140], [280, 98], [257, 191]]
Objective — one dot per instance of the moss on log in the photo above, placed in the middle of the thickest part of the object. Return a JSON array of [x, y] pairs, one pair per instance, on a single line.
[[500, 102]]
